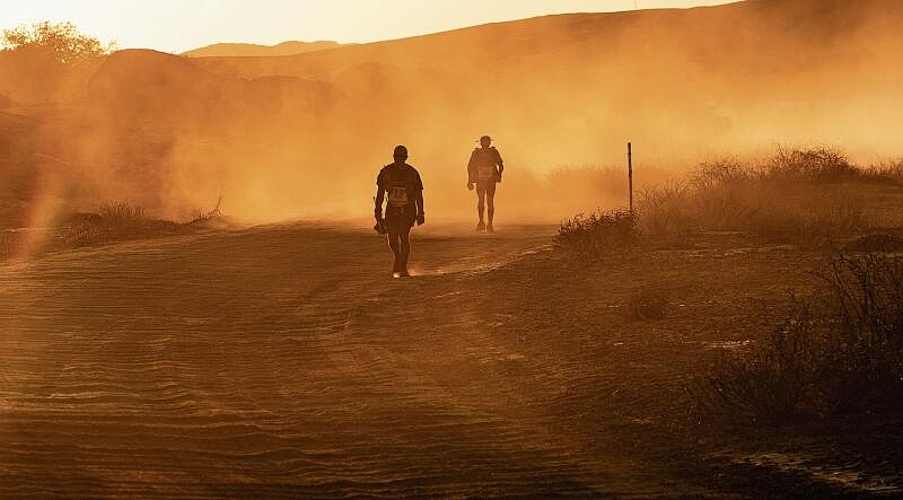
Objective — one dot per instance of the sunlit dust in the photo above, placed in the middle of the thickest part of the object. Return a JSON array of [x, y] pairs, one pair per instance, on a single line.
[[302, 136]]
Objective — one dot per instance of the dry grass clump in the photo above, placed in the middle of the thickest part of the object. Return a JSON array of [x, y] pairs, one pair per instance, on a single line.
[[839, 352], [785, 199], [211, 218], [122, 214], [887, 171], [598, 234], [112, 222]]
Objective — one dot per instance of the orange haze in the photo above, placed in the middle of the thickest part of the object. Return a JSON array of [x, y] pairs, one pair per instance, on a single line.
[[304, 135]]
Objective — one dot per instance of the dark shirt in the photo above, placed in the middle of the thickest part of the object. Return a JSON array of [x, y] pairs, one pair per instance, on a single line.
[[403, 188]]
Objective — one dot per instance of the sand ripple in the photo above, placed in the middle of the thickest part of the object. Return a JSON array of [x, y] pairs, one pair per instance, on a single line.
[[277, 362]]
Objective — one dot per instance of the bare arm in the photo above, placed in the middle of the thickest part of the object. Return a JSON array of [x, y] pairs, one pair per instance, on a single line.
[[378, 208], [418, 200], [471, 168]]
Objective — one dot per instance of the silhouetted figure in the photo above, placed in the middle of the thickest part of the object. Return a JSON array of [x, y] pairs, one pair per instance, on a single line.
[[399, 185], [485, 171]]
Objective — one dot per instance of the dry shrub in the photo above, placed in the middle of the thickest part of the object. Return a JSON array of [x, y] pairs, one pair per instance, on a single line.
[[866, 301], [598, 234], [724, 195], [818, 165], [769, 384], [840, 351], [666, 209], [210, 218], [780, 200]]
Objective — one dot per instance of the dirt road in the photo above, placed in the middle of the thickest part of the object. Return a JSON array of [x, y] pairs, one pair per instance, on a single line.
[[275, 361], [282, 361]]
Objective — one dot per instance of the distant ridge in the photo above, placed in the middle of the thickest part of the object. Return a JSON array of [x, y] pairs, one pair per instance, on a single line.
[[254, 50]]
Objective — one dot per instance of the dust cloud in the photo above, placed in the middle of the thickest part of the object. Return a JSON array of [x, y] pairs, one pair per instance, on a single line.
[[304, 135]]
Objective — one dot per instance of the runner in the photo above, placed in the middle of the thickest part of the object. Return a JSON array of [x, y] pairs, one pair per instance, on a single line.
[[399, 185], [485, 171]]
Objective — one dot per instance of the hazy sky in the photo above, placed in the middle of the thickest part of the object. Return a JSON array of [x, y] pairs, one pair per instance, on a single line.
[[178, 25]]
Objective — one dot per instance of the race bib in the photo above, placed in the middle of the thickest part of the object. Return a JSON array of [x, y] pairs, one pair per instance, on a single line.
[[398, 196], [486, 172]]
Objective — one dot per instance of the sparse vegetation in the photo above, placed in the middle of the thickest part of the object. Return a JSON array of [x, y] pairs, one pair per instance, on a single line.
[[785, 199], [113, 221], [210, 217], [122, 214], [840, 351], [769, 384], [666, 209], [110, 222], [814, 165], [63, 41], [890, 171], [598, 234]]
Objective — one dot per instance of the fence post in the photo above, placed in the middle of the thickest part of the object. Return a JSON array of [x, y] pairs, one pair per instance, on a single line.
[[630, 173]]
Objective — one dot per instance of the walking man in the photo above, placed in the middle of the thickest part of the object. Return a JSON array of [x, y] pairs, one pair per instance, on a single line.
[[484, 170], [400, 187]]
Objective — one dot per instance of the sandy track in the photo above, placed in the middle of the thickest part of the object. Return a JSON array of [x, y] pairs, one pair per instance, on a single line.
[[279, 361]]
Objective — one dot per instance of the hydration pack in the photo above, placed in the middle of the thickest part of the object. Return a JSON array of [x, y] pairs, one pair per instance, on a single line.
[[486, 161]]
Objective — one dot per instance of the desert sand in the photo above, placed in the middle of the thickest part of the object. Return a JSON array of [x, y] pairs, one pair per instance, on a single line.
[[283, 361]]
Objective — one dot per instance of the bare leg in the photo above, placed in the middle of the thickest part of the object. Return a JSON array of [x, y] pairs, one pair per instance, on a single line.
[[405, 250], [481, 206], [395, 246], [490, 199]]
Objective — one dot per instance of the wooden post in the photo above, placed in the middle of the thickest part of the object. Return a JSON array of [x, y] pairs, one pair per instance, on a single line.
[[630, 172]]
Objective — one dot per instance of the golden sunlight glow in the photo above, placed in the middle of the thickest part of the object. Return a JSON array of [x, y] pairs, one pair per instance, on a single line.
[[177, 26]]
